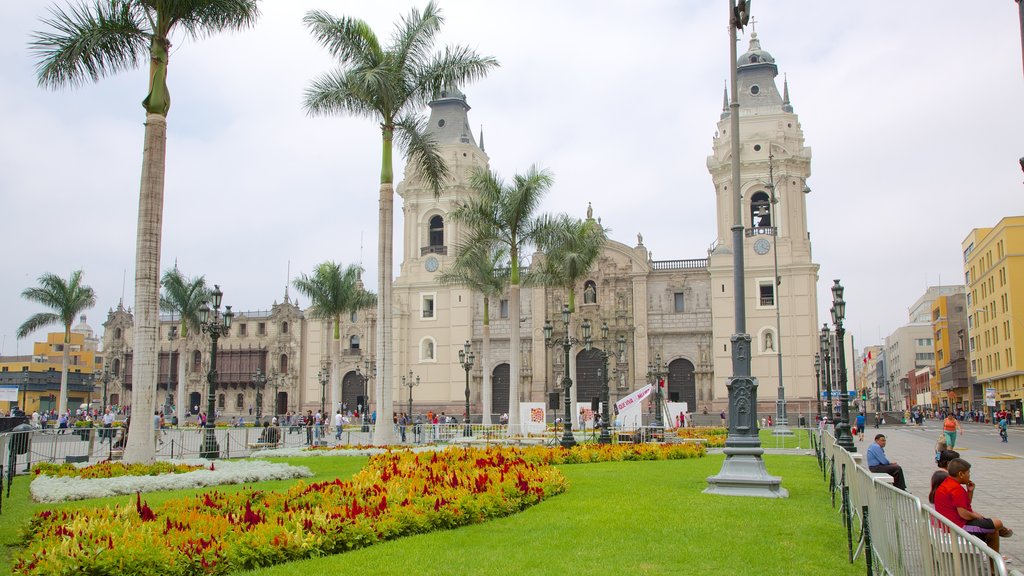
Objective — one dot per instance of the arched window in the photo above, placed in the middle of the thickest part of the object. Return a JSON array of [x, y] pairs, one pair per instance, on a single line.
[[117, 334], [197, 360], [283, 364], [760, 210], [428, 350], [117, 367], [436, 231], [353, 342], [589, 292], [352, 317], [284, 327]]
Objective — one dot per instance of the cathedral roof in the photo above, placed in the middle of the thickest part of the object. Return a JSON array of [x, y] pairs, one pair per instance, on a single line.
[[449, 123], [755, 56]]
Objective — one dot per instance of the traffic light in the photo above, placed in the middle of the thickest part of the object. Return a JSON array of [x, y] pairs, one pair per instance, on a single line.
[[864, 394]]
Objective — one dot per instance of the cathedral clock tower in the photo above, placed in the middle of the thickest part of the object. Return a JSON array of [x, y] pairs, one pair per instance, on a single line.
[[780, 277]]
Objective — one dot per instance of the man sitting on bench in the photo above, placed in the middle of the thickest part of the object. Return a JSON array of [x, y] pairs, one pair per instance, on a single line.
[[270, 434], [877, 462]]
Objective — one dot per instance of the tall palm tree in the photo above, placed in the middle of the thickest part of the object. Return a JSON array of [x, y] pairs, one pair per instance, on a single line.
[[482, 268], [571, 246], [66, 299], [333, 292], [507, 215], [183, 296], [88, 42], [389, 85]]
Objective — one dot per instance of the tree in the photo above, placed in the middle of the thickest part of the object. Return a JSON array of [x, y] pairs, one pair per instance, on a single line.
[[506, 215], [183, 296], [334, 291], [482, 268], [88, 42], [66, 299], [571, 246], [389, 84]]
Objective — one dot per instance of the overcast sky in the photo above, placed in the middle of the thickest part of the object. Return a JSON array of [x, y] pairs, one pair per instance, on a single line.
[[912, 109]]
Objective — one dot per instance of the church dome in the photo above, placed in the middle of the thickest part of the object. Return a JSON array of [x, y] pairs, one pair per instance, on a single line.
[[82, 327], [754, 56]]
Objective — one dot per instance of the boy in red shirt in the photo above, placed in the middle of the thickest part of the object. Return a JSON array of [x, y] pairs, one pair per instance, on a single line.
[[953, 500]]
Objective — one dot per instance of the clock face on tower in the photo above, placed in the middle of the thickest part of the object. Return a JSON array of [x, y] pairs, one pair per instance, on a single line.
[[762, 246], [430, 264]]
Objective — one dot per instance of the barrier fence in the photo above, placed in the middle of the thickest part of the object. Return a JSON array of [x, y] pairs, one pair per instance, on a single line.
[[897, 533]]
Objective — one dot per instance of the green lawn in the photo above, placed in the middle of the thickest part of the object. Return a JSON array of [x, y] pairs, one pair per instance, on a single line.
[[622, 517]]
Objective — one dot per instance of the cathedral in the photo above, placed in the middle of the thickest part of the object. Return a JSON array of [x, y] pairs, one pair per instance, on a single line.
[[675, 316]]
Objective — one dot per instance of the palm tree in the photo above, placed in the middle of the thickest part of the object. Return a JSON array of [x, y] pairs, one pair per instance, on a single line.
[[389, 85], [333, 292], [183, 296], [67, 299], [506, 215], [482, 268], [92, 41], [571, 246]]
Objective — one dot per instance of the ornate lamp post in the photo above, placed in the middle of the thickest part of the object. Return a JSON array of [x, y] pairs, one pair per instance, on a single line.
[[466, 358], [605, 437], [259, 380], [324, 375], [413, 380], [817, 381], [566, 342], [657, 372], [106, 380], [843, 436], [364, 377], [216, 325], [826, 372]]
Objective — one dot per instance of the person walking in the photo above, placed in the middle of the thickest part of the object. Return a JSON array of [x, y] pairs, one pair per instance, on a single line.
[[860, 426], [878, 463], [950, 428]]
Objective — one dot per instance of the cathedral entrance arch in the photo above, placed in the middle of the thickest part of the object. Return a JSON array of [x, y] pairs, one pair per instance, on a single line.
[[351, 390], [589, 378], [195, 400], [682, 384], [499, 389]]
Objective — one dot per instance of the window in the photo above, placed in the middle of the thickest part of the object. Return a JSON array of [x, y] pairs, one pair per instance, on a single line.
[[503, 308], [117, 334], [242, 329], [239, 401], [436, 232], [220, 403], [283, 364], [261, 329], [766, 293], [678, 301], [760, 213], [284, 327], [117, 367], [427, 306], [353, 342], [427, 350], [197, 360], [352, 318], [940, 355]]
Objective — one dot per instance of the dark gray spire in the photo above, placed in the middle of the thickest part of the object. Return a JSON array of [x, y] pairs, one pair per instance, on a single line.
[[449, 123], [482, 139], [786, 106], [725, 102]]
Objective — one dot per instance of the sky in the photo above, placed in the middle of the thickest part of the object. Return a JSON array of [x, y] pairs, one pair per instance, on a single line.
[[907, 106]]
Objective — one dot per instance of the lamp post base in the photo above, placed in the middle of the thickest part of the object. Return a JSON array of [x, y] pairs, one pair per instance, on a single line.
[[568, 440], [605, 437], [743, 474], [211, 450]]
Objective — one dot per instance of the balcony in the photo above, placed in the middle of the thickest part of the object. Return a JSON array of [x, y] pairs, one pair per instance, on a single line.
[[442, 250]]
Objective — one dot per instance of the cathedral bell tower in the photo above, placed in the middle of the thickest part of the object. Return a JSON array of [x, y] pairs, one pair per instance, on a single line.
[[431, 320], [781, 279]]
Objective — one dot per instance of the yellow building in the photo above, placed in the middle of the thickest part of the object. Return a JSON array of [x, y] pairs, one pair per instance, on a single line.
[[994, 272], [37, 376], [951, 383]]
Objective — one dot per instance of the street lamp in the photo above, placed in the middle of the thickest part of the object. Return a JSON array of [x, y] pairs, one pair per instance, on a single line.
[[605, 437], [106, 380], [466, 360], [825, 344], [259, 380], [364, 377], [657, 371], [566, 342], [410, 382], [817, 381], [274, 379], [844, 438], [324, 375], [216, 326]]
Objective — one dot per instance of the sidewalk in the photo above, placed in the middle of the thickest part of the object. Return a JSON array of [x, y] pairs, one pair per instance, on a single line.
[[996, 468]]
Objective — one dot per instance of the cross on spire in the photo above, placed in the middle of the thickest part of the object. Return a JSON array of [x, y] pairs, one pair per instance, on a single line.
[[753, 25]]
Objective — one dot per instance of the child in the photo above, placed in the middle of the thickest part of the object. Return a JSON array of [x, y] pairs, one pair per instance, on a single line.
[[1002, 429], [940, 447]]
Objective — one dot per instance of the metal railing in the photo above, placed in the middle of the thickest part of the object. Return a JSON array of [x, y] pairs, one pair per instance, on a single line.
[[898, 534]]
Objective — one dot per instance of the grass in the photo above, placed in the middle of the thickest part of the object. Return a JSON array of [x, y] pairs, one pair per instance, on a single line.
[[799, 439], [645, 518]]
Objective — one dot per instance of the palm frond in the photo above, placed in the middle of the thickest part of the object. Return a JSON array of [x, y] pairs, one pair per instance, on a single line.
[[350, 40], [414, 36], [456, 66], [203, 18], [422, 151], [334, 93], [184, 296], [66, 299], [334, 290], [89, 42], [37, 321]]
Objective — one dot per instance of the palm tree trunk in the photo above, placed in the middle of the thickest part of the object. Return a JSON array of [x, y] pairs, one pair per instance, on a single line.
[[514, 357], [140, 446], [486, 399], [384, 390], [182, 348], [62, 402]]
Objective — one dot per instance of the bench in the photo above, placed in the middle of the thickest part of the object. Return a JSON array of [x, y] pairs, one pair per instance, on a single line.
[[261, 445], [76, 459], [117, 454]]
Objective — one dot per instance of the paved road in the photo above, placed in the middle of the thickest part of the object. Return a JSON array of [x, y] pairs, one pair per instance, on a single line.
[[996, 468]]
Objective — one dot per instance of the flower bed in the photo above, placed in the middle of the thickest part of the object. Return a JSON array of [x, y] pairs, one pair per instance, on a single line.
[[396, 494], [110, 469], [715, 435], [584, 453]]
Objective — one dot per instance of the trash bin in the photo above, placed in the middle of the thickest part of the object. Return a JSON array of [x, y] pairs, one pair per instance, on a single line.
[[20, 439]]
